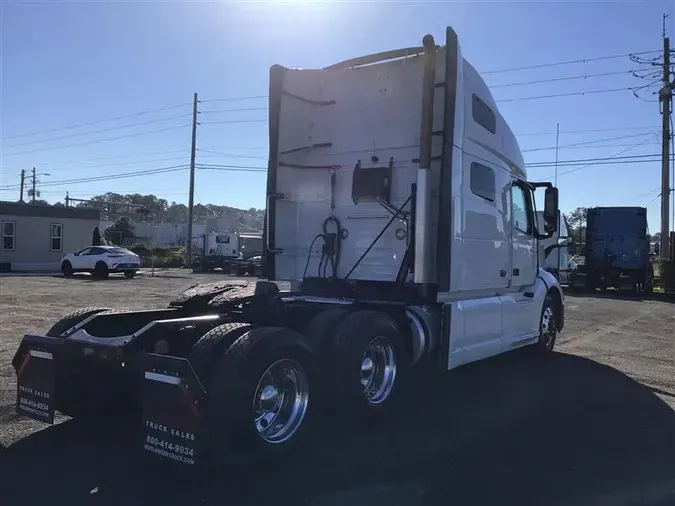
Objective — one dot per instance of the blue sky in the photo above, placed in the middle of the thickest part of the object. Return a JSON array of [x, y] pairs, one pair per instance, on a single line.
[[68, 63]]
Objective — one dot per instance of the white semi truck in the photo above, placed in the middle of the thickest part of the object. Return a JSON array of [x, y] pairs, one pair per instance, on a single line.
[[556, 252], [398, 208]]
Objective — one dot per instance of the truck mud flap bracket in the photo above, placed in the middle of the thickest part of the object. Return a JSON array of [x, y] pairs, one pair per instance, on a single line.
[[172, 405], [35, 368]]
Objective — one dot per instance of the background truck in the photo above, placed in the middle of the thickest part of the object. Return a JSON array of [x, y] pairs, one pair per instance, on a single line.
[[230, 251], [399, 210], [617, 249], [215, 250]]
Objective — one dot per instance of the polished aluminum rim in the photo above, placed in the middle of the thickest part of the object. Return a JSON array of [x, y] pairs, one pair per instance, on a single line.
[[280, 401], [378, 370], [547, 327]]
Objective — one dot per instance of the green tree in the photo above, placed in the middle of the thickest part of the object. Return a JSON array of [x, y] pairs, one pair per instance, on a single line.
[[122, 229], [576, 221]]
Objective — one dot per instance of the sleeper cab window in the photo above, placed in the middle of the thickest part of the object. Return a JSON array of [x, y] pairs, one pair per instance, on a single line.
[[482, 181], [483, 115]]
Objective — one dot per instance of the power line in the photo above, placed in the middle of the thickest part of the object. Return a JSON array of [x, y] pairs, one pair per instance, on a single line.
[[613, 129], [628, 159], [586, 143], [141, 123], [555, 79], [219, 111], [615, 156], [568, 62], [598, 146], [142, 113], [107, 139], [109, 177], [235, 168], [233, 99], [116, 157], [590, 92], [117, 164], [233, 121], [232, 155]]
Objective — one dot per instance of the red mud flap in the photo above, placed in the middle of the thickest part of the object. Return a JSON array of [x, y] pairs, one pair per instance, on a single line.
[[173, 401], [36, 377]]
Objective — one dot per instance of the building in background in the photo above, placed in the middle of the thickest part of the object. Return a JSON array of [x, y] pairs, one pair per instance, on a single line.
[[35, 237]]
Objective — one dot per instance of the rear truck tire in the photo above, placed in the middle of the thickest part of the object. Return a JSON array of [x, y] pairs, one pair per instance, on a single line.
[[67, 269], [129, 274], [240, 270], [547, 326], [259, 397], [209, 349], [369, 363], [101, 270], [72, 319]]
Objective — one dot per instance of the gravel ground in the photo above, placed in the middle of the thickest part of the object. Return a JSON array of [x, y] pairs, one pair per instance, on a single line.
[[594, 424]]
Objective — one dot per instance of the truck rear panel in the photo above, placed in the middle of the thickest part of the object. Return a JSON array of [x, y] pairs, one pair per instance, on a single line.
[[616, 238]]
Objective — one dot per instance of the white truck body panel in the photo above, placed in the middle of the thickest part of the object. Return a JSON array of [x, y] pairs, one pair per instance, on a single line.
[[331, 119]]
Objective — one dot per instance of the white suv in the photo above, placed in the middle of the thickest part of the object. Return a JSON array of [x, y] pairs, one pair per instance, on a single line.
[[101, 261]]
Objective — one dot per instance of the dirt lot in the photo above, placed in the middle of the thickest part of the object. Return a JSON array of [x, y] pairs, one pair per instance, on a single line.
[[592, 425]]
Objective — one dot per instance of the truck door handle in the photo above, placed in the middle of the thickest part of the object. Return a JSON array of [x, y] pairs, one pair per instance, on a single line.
[[516, 272], [502, 273]]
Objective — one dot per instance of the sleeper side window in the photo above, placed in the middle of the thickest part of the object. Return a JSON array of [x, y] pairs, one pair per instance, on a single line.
[[483, 115], [482, 181]]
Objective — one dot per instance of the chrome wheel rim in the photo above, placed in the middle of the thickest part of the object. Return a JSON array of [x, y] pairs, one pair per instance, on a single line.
[[378, 370], [547, 327], [280, 401]]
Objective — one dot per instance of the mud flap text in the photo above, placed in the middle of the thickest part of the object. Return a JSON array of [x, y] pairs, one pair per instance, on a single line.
[[172, 405], [36, 385]]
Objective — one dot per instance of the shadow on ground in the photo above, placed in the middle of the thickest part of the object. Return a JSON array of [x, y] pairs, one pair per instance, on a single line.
[[512, 430]]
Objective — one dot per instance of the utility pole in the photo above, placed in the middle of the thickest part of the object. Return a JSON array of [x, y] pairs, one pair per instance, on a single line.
[[665, 96], [34, 181], [557, 140], [67, 199], [23, 180], [188, 249]]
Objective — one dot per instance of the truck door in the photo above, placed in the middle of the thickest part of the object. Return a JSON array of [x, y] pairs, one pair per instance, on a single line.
[[519, 314], [524, 246]]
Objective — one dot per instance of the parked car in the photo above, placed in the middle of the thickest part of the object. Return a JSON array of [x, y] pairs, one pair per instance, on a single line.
[[101, 261]]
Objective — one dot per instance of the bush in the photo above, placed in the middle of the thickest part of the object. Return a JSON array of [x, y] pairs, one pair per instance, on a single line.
[[141, 250], [160, 257]]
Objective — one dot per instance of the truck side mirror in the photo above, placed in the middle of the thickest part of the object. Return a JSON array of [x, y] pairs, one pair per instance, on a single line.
[[570, 248], [551, 210]]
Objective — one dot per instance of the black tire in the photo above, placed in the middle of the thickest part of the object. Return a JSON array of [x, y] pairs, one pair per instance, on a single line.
[[322, 327], [547, 329], [72, 319], [67, 269], [129, 274], [208, 351], [101, 270], [240, 270], [230, 419], [350, 342]]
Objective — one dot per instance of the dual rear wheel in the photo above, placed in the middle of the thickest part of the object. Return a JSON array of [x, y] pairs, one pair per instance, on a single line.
[[267, 384]]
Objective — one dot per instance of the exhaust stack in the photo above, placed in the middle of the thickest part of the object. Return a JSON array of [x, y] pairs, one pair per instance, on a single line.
[[423, 266]]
